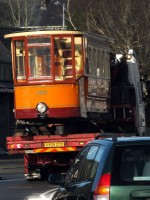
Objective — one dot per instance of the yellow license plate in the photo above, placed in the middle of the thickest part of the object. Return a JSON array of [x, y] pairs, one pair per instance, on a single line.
[[54, 144]]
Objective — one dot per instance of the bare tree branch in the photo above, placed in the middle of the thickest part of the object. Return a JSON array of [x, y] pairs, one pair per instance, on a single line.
[[127, 21], [23, 13], [69, 14]]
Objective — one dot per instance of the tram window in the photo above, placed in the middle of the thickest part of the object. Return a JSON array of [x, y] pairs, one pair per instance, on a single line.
[[86, 60], [89, 60], [20, 60], [103, 64], [107, 68], [63, 66], [78, 56], [98, 62], [39, 57], [95, 62], [58, 67], [92, 61]]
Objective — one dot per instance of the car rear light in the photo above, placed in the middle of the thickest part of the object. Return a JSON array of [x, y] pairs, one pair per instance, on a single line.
[[103, 188]]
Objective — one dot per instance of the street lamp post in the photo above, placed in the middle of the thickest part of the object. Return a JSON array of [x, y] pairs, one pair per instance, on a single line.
[[63, 16], [63, 12]]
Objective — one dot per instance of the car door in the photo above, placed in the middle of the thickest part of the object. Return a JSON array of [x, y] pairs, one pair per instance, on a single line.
[[81, 174]]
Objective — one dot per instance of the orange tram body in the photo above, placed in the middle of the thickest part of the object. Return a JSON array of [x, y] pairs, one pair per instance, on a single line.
[[63, 97]]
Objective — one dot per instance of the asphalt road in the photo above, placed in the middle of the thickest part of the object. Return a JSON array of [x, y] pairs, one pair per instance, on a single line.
[[11, 166], [14, 186]]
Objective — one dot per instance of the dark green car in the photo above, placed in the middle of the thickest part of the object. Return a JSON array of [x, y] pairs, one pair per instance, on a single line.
[[108, 169]]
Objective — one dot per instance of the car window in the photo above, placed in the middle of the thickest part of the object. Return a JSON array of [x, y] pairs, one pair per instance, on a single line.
[[96, 161], [88, 163], [85, 164], [73, 171], [131, 165]]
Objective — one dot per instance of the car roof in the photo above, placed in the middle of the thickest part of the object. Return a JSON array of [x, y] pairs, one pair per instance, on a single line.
[[123, 140]]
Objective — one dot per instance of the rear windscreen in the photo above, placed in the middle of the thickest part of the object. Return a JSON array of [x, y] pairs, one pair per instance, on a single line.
[[131, 164]]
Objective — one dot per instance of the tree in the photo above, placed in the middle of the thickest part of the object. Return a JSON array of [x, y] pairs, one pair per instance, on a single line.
[[21, 13], [127, 21]]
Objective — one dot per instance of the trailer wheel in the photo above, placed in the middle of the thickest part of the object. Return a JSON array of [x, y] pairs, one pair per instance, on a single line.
[[44, 174], [55, 179]]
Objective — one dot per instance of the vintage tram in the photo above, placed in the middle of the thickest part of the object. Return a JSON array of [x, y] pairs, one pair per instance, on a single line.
[[69, 82], [61, 80]]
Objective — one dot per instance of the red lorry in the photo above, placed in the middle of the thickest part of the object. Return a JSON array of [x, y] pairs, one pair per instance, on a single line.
[[69, 88], [45, 155]]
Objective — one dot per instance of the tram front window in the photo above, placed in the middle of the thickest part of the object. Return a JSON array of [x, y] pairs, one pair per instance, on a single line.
[[78, 56], [63, 58], [39, 59], [20, 60]]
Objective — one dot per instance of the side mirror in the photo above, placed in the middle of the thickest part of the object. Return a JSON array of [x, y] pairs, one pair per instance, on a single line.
[[56, 179]]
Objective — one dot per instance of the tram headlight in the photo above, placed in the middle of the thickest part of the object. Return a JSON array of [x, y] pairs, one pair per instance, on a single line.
[[41, 107]]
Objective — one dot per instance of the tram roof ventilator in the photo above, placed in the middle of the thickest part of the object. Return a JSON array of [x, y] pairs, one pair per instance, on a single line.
[[44, 28]]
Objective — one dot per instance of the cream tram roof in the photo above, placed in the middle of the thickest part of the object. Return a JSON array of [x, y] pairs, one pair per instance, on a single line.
[[94, 39], [38, 33]]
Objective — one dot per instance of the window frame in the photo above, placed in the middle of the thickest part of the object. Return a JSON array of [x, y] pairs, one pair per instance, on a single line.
[[40, 46], [117, 178], [46, 80], [14, 61]]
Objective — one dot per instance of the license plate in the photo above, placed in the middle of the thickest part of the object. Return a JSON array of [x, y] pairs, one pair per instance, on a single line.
[[54, 144]]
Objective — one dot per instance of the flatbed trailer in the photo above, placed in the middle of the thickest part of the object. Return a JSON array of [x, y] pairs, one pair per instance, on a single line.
[[44, 155]]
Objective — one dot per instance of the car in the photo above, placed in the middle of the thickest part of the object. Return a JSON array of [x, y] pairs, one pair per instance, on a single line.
[[108, 169]]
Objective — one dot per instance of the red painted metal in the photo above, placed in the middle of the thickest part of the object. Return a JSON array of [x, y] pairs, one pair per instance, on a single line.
[[35, 142], [55, 112]]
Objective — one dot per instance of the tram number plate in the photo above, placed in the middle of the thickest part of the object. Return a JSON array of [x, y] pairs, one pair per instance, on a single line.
[[54, 144]]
